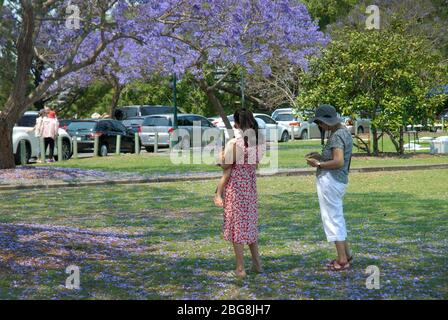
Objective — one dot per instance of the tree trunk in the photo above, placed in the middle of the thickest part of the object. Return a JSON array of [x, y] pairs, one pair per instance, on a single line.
[[118, 89], [17, 101], [361, 144], [401, 142], [210, 92], [396, 143], [6, 152], [375, 149], [37, 70]]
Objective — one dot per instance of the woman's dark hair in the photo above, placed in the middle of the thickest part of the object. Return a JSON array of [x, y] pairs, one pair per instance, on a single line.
[[245, 120]]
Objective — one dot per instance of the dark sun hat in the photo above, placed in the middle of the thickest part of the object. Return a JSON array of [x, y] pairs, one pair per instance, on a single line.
[[327, 114]]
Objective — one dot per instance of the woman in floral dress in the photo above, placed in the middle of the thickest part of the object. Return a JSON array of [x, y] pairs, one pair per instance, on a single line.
[[240, 196]]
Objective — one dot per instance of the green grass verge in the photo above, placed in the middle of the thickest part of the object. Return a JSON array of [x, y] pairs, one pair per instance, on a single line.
[[163, 241], [290, 155]]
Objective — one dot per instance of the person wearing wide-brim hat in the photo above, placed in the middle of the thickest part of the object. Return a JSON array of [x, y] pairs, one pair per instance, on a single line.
[[332, 179]]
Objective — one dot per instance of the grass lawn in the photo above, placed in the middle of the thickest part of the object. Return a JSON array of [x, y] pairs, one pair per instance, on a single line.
[[290, 155], [163, 241]]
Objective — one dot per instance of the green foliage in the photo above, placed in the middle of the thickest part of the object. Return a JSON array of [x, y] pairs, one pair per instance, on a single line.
[[156, 91], [422, 18], [383, 75], [327, 11], [95, 98]]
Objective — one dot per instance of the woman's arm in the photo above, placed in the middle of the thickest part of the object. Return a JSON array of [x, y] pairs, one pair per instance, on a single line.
[[229, 157], [314, 155], [336, 163]]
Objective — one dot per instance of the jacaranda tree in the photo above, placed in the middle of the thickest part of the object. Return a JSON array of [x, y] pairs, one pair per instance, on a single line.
[[205, 36], [168, 36]]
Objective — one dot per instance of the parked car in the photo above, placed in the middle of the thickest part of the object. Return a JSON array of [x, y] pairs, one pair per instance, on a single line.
[[64, 123], [133, 123], [163, 125], [32, 143], [363, 124], [141, 110], [220, 124], [291, 121], [107, 130], [281, 110], [273, 128], [301, 127]]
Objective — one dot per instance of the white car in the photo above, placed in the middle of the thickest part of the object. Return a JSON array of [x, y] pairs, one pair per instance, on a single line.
[[302, 129], [217, 121], [32, 144], [281, 110], [274, 129]]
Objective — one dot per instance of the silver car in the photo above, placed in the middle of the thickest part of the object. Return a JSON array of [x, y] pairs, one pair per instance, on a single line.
[[281, 110], [274, 128], [302, 129], [163, 125], [356, 125]]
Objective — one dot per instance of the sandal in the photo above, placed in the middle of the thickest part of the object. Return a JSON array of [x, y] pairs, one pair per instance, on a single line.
[[337, 266], [349, 259]]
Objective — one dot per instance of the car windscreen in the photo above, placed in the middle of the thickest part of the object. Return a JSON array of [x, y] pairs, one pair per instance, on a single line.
[[157, 122], [150, 110], [27, 121], [64, 122], [127, 112], [132, 122], [82, 126], [284, 117]]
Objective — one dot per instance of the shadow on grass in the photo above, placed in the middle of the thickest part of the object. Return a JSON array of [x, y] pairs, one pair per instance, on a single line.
[[178, 251]]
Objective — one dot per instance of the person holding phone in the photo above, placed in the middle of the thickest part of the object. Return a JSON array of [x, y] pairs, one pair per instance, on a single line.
[[332, 178]]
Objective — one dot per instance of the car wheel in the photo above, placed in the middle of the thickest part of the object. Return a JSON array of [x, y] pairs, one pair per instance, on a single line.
[[19, 152], [103, 151], [66, 151], [285, 136], [149, 149], [304, 135], [360, 130]]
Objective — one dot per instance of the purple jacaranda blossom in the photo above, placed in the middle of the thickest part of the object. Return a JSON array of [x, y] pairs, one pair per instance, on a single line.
[[176, 36]]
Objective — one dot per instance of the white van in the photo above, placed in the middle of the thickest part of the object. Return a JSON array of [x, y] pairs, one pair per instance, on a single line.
[[32, 144]]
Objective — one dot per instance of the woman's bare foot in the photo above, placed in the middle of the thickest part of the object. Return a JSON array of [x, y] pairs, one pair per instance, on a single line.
[[240, 274], [256, 266], [218, 200]]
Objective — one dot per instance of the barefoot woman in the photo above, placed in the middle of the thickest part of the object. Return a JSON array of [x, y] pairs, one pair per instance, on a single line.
[[240, 191]]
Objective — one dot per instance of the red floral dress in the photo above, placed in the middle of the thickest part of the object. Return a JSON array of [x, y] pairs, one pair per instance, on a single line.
[[240, 199]]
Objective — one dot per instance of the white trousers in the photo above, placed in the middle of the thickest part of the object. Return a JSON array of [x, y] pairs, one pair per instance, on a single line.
[[330, 193]]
